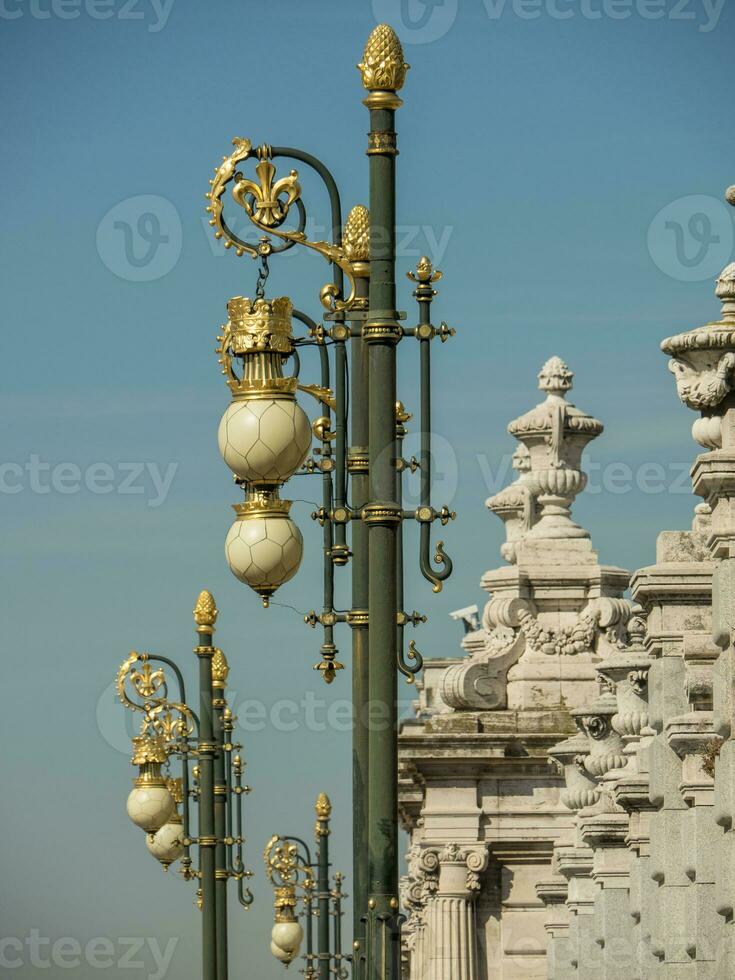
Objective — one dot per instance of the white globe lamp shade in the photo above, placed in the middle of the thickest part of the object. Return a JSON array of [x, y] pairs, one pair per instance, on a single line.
[[264, 547], [166, 844], [149, 807], [264, 440]]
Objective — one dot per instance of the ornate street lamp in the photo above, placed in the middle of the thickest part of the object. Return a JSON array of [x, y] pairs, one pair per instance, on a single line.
[[264, 439], [290, 869], [211, 774]]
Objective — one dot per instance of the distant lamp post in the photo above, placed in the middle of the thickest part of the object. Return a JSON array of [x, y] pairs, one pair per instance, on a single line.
[[264, 438], [211, 774], [290, 869]]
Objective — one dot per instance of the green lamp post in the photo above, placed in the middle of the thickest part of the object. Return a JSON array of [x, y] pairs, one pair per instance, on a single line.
[[211, 775], [291, 868], [265, 439]]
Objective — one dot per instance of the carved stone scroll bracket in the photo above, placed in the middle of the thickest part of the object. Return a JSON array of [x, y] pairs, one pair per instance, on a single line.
[[480, 682]]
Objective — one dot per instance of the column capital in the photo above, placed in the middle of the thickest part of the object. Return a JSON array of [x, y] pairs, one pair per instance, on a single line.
[[458, 867]]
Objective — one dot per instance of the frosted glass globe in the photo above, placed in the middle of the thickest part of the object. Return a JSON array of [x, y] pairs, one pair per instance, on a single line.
[[264, 440], [149, 807], [264, 552], [165, 845], [287, 937], [281, 955]]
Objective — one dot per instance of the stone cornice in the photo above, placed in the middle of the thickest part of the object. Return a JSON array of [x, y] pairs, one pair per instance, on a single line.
[[672, 580], [604, 829]]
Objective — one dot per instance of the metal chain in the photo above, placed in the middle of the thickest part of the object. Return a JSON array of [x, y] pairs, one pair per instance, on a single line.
[[263, 273]]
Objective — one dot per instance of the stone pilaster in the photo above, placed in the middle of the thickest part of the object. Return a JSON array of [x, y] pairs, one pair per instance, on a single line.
[[626, 673], [450, 939], [554, 892], [694, 868]]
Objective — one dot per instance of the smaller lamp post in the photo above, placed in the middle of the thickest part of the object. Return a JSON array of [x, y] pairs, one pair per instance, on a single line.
[[211, 773], [290, 869]]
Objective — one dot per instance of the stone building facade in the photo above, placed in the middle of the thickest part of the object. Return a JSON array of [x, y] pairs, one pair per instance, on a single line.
[[568, 781]]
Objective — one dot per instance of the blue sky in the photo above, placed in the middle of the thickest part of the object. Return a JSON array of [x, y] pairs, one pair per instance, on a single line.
[[562, 162]]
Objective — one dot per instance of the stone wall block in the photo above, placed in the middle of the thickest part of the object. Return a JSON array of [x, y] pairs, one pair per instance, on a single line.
[[723, 602], [722, 683], [723, 794]]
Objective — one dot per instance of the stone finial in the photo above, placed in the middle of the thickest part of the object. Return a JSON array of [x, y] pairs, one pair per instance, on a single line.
[[382, 65], [514, 504], [730, 195], [555, 434], [356, 238], [205, 610], [555, 377], [725, 292]]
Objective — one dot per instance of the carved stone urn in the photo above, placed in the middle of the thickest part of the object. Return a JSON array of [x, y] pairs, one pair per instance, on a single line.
[[605, 745], [555, 433], [627, 674], [580, 788], [514, 505], [702, 362]]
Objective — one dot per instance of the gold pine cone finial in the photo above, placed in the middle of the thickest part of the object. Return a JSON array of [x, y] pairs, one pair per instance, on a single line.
[[383, 68], [220, 669], [425, 272], [176, 789], [205, 611], [323, 807], [356, 239]]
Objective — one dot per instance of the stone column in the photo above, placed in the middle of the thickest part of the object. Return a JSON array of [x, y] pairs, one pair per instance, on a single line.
[[689, 850], [573, 861], [419, 888], [451, 936], [604, 827], [554, 892], [704, 366], [627, 674]]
